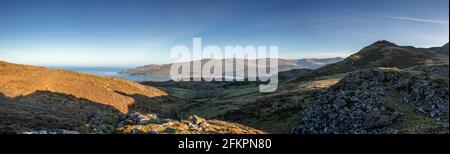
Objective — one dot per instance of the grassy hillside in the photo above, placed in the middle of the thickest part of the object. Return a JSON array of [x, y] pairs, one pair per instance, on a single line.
[[280, 112], [242, 103], [383, 54], [20, 80], [37, 99]]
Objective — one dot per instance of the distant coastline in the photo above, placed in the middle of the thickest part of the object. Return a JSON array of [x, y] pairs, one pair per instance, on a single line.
[[110, 72]]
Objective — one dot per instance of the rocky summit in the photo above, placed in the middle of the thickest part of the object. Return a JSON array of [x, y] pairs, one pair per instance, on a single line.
[[381, 101], [387, 54]]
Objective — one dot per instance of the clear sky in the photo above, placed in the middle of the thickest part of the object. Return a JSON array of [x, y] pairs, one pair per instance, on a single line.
[[131, 32]]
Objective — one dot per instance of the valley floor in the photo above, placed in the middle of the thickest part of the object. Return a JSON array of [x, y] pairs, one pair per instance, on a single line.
[[283, 111]]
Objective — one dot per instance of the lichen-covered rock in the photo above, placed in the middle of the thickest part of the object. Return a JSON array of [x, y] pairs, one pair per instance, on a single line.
[[102, 124], [348, 108], [437, 70], [193, 125], [359, 103], [196, 120], [430, 98], [139, 119], [52, 131]]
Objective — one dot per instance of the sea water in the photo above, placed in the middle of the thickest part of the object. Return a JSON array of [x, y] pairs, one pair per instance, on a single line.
[[110, 72]]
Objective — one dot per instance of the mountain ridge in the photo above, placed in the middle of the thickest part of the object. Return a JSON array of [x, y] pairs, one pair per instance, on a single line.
[[283, 65], [384, 54]]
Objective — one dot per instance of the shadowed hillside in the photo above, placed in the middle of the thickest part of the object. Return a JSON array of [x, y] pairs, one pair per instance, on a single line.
[[21, 80], [47, 110], [36, 100]]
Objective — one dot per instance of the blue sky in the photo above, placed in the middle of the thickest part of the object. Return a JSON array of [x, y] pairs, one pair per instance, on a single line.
[[136, 32]]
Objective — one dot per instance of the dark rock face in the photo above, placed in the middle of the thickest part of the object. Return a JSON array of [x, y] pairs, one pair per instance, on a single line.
[[429, 98], [358, 103], [332, 119], [438, 70], [351, 107], [107, 124], [103, 124]]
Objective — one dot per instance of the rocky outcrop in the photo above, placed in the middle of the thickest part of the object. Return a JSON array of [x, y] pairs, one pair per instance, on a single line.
[[52, 131], [430, 98], [436, 70], [364, 102], [137, 123], [351, 107]]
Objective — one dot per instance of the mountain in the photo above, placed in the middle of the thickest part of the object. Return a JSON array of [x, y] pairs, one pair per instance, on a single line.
[[314, 63], [385, 54], [40, 100], [441, 50], [283, 65], [385, 89]]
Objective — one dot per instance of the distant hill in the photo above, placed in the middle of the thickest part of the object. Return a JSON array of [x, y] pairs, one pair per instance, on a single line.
[[283, 65]]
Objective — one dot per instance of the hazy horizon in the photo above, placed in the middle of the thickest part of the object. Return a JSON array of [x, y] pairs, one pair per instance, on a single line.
[[123, 34]]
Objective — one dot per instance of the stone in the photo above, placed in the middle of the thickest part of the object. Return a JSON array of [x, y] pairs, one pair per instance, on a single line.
[[339, 102], [52, 131], [196, 120]]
